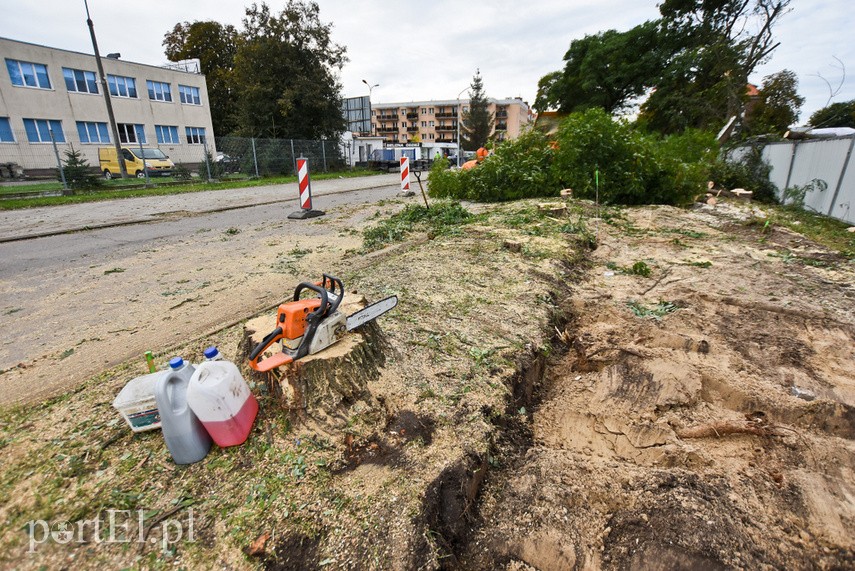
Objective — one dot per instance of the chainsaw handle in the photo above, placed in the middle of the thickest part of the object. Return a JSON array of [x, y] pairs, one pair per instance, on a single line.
[[333, 281], [322, 310], [268, 340]]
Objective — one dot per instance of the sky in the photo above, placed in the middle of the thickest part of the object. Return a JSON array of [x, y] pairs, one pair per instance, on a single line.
[[422, 50]]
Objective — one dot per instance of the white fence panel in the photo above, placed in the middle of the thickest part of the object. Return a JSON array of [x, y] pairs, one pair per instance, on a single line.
[[798, 163], [778, 155]]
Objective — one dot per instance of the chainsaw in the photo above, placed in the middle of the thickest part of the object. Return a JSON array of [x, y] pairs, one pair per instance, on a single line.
[[306, 326]]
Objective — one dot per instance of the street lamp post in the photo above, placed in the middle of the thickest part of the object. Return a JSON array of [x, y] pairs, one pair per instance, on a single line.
[[370, 89], [459, 146], [105, 86]]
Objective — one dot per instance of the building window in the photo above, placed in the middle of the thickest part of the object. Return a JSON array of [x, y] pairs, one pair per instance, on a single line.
[[195, 135], [91, 132], [430, 123], [167, 134], [430, 110], [28, 74], [158, 91], [6, 135], [38, 130], [404, 124], [189, 95], [424, 123], [424, 110], [131, 133], [80, 81], [122, 86]]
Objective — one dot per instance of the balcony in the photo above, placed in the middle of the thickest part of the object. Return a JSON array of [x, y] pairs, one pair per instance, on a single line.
[[387, 117], [387, 130], [412, 116], [445, 140], [412, 129], [501, 126], [452, 127], [447, 115]]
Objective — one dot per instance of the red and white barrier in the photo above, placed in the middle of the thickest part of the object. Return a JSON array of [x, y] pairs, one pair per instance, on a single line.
[[405, 175], [305, 185]]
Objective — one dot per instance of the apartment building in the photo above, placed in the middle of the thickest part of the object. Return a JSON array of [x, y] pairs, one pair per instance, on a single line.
[[436, 122], [53, 93]]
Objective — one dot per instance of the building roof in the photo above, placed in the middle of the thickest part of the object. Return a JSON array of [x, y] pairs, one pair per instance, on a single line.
[[172, 66], [435, 102]]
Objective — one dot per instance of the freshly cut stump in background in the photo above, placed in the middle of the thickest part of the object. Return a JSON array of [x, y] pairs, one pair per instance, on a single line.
[[331, 379]]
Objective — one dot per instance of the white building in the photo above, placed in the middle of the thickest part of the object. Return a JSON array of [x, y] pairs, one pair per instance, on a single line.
[[44, 90]]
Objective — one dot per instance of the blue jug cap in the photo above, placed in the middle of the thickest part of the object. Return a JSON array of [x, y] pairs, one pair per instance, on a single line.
[[211, 352], [176, 362]]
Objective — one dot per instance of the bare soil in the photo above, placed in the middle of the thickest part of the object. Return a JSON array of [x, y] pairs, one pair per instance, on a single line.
[[677, 442], [538, 408]]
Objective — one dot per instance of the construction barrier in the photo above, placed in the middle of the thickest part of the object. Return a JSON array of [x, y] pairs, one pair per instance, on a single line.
[[405, 177], [305, 187]]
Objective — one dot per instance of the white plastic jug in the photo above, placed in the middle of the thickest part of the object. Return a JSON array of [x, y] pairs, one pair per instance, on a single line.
[[221, 399], [186, 438]]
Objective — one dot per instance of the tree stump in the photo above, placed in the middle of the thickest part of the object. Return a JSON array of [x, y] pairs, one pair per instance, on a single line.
[[331, 379]]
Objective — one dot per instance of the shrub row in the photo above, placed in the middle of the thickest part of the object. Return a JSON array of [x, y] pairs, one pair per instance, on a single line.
[[631, 167]]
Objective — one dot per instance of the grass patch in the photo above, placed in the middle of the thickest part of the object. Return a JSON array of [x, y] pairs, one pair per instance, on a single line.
[[110, 194], [441, 218]]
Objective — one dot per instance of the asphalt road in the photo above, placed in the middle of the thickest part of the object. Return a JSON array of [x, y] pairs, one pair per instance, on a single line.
[[162, 270]]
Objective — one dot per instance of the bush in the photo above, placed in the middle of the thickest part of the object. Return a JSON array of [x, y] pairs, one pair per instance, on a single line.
[[78, 173], [750, 172], [521, 168], [634, 167]]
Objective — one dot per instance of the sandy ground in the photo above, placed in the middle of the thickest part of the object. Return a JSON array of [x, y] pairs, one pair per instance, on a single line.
[[678, 442], [529, 413]]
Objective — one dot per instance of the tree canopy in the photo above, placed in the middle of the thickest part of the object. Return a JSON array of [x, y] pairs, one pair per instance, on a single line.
[[478, 122], [693, 62], [835, 115], [275, 77], [777, 106], [215, 46]]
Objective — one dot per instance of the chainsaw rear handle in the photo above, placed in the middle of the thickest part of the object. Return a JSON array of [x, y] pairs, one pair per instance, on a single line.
[[333, 282]]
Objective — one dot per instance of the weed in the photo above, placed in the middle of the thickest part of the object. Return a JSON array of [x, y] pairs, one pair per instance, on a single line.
[[686, 233], [704, 264], [114, 271], [656, 312], [232, 231], [298, 253], [640, 269]]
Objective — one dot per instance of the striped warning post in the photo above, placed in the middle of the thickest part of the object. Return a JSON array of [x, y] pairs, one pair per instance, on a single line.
[[405, 175], [305, 186]]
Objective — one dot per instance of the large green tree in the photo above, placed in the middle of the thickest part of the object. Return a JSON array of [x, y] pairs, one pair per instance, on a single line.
[[835, 115], [777, 107], [274, 78], [694, 62], [215, 46], [478, 122], [718, 44], [606, 70], [285, 70]]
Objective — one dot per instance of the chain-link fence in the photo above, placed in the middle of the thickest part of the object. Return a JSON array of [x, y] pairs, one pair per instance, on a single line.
[[38, 154]]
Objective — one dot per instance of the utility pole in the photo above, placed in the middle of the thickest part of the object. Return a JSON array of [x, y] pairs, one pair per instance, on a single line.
[[106, 88], [370, 89]]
